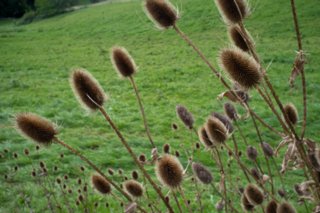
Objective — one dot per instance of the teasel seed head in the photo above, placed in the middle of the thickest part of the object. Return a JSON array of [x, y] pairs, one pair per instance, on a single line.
[[291, 112], [166, 148], [169, 171], [256, 174], [26, 152], [101, 184], [202, 173], [123, 62], [237, 38], [246, 204], [142, 158], [252, 153], [231, 111], [185, 116], [174, 126], [225, 120], [36, 128], [87, 89], [161, 12], [241, 67], [267, 149], [285, 208], [254, 195], [204, 138], [135, 175], [233, 11], [216, 130], [272, 207], [281, 193], [134, 188]]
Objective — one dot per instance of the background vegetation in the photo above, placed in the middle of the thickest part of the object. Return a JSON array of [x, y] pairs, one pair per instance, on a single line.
[[35, 62]]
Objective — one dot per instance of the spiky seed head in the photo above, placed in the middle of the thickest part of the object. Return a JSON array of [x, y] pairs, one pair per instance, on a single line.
[[142, 158], [202, 173], [291, 112], [272, 207], [231, 111], [161, 12], [216, 130], [252, 153], [169, 171], [233, 11], [254, 195], [237, 38], [134, 188], [225, 120], [204, 138], [166, 148], [101, 184], [267, 149], [87, 89], [241, 67], [123, 62], [185, 116], [285, 207], [246, 204], [36, 128], [135, 175], [282, 193], [255, 173]]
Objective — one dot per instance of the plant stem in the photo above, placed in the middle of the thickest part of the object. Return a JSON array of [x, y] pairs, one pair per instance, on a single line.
[[146, 126], [134, 157], [177, 201], [58, 141]]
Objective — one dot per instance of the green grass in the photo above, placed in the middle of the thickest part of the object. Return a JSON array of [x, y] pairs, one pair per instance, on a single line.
[[35, 64]]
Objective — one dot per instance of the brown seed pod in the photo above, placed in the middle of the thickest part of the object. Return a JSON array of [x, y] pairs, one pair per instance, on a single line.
[[272, 207], [36, 128], [87, 89], [233, 11], [216, 130], [134, 188], [224, 120], [236, 37], [161, 12], [135, 175], [202, 173], [267, 149], [204, 138], [169, 171], [123, 62], [174, 126], [253, 194], [252, 153], [291, 112], [246, 204], [256, 174], [166, 148], [142, 158], [241, 67], [285, 208], [230, 111], [185, 116], [101, 184]]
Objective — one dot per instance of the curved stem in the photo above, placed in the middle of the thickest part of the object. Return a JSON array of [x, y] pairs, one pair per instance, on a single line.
[[146, 126], [134, 157]]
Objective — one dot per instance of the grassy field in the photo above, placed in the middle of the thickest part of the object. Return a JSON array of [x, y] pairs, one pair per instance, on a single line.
[[35, 64]]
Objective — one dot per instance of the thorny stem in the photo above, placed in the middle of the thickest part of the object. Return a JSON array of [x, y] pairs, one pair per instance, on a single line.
[[224, 181], [58, 141], [177, 201], [134, 157], [303, 79], [146, 126]]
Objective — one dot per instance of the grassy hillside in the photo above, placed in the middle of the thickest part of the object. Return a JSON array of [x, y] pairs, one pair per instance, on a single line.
[[36, 59]]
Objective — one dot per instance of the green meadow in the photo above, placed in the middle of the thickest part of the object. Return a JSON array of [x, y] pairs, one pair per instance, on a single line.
[[35, 65]]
